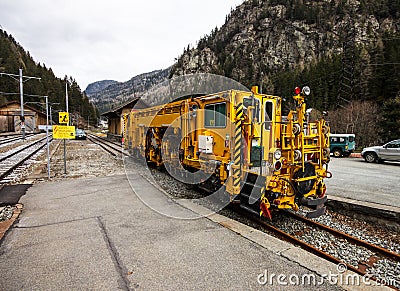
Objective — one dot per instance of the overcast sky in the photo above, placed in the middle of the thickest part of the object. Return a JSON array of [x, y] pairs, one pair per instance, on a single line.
[[99, 39]]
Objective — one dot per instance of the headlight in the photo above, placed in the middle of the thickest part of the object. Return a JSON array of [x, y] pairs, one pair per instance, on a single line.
[[277, 154], [306, 90]]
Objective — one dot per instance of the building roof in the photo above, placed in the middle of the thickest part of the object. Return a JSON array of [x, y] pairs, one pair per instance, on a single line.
[[116, 112], [7, 104]]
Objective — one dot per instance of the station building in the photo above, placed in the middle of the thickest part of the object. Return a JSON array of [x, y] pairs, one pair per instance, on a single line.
[[10, 117], [115, 119]]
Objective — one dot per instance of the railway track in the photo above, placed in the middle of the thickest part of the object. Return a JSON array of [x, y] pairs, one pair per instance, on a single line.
[[364, 266], [16, 160], [5, 140], [113, 148], [376, 249]]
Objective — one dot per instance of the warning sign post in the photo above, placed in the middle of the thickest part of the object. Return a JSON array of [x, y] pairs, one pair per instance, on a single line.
[[63, 132], [63, 117]]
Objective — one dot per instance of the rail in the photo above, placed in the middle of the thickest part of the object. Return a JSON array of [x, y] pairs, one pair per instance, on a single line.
[[111, 147], [253, 216], [6, 170], [7, 140]]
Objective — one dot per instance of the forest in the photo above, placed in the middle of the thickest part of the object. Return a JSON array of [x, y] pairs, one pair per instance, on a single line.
[[13, 57], [366, 103]]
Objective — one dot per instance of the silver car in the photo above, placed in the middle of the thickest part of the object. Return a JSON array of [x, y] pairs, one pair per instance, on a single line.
[[387, 152], [80, 134]]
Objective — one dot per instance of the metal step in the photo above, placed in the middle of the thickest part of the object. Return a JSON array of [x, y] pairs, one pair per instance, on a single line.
[[252, 186]]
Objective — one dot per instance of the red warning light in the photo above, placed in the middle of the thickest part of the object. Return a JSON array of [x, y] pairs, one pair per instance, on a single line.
[[297, 90]]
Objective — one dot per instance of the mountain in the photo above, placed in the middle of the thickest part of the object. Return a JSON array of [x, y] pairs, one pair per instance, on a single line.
[[119, 92], [347, 51], [13, 57], [96, 87]]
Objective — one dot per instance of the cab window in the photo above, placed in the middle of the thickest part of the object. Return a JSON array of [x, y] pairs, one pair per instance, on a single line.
[[338, 140], [256, 104], [268, 114], [215, 115]]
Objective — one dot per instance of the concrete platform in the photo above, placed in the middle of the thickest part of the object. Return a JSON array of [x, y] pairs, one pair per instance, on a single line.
[[97, 234]]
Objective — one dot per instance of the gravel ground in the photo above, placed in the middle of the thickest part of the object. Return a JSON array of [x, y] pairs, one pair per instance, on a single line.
[[84, 160], [384, 269], [6, 212], [365, 231]]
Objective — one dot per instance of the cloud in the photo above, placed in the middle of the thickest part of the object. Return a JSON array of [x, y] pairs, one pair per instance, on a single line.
[[95, 40]]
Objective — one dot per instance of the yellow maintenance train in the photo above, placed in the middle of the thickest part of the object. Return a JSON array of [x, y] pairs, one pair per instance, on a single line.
[[239, 143]]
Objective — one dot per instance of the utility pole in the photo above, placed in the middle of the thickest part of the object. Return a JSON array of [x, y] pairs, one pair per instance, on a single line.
[[66, 98], [21, 92], [47, 136], [51, 109], [65, 146]]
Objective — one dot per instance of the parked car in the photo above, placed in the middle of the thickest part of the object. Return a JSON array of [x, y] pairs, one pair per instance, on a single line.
[[342, 144], [80, 134], [387, 152]]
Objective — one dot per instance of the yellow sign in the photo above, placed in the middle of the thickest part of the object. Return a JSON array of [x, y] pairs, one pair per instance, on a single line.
[[63, 132], [63, 117]]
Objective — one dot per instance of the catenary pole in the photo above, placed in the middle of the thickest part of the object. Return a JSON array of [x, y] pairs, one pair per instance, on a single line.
[[66, 109], [66, 98], [47, 136], [21, 92]]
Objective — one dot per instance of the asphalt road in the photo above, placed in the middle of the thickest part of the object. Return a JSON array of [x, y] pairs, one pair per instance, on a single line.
[[356, 179]]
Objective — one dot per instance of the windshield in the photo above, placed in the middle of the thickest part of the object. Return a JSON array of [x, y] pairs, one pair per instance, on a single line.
[[255, 103], [393, 144]]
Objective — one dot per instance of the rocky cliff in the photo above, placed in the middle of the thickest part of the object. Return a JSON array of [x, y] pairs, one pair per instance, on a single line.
[[98, 86], [262, 38], [119, 92]]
